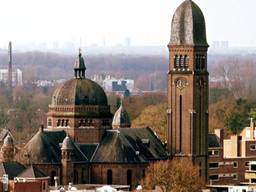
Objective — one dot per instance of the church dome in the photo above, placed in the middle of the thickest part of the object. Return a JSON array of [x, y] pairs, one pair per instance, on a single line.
[[121, 118], [80, 90], [188, 25]]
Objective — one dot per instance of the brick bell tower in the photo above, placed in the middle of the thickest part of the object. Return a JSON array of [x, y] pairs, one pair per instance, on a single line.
[[188, 87]]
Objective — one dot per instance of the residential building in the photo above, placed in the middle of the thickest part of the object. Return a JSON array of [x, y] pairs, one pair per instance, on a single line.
[[229, 159], [17, 77]]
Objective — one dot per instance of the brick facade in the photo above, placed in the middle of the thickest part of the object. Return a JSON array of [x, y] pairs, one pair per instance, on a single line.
[[229, 162]]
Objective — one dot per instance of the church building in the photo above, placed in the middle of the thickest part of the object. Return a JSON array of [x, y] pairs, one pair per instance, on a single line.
[[81, 146], [84, 143]]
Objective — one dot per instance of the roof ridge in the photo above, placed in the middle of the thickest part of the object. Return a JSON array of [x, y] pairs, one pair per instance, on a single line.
[[78, 148]]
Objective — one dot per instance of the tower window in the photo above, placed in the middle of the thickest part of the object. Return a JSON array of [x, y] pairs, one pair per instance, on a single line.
[[181, 61], [186, 61], [176, 61], [203, 62]]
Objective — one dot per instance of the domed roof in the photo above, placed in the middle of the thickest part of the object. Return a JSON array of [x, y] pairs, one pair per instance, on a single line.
[[121, 118], [79, 92], [67, 144], [188, 25], [8, 140]]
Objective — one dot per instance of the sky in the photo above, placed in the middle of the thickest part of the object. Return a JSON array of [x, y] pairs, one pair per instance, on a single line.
[[110, 22]]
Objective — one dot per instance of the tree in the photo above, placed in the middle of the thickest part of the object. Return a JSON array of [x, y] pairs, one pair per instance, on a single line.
[[173, 176], [155, 117], [230, 113]]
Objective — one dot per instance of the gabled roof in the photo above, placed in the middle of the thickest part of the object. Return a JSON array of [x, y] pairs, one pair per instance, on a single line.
[[130, 145], [88, 149], [12, 169], [213, 141], [45, 147], [32, 172]]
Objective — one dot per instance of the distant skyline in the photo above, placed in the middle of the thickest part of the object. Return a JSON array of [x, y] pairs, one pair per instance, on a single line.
[[111, 22]]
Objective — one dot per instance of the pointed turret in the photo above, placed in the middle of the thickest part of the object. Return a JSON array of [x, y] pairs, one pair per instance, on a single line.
[[66, 160], [121, 118]]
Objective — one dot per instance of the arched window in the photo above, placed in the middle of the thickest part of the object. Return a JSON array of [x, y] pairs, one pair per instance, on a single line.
[[75, 177], [129, 178], [203, 62], [109, 177], [182, 63], [83, 175], [49, 122], [180, 111], [62, 122], [58, 122], [66, 123], [53, 174], [44, 186], [143, 173]]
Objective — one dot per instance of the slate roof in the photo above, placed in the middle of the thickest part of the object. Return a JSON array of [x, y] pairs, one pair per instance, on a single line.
[[124, 145], [188, 25], [213, 141], [13, 169], [129, 145], [79, 92], [45, 147], [32, 172], [88, 149]]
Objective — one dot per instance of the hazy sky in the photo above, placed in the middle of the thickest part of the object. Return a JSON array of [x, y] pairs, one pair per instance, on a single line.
[[146, 22]]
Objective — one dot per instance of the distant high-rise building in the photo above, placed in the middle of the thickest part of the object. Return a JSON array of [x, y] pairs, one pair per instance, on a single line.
[[17, 77]]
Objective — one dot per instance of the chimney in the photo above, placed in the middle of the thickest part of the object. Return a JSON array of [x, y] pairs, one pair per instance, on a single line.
[[10, 65], [220, 134]]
